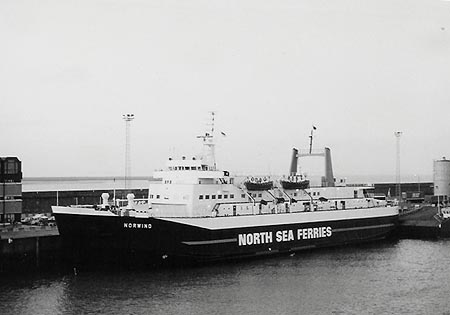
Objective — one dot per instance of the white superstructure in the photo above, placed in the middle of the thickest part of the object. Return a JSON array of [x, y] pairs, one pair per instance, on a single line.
[[194, 187]]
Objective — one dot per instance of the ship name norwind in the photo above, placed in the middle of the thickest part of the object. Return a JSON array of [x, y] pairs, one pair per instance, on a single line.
[[129, 225]]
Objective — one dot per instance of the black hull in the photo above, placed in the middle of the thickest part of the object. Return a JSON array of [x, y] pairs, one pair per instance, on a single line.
[[149, 241]]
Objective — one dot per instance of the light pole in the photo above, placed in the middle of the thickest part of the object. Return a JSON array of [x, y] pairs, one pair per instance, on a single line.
[[399, 190], [127, 118], [438, 204]]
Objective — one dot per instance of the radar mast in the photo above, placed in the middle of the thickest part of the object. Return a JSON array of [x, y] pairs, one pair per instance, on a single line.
[[209, 156]]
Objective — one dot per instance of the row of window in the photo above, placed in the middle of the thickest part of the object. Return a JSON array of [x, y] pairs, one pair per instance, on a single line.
[[201, 197], [185, 168]]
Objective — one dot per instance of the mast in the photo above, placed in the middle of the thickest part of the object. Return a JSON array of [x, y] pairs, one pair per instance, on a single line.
[[209, 155]]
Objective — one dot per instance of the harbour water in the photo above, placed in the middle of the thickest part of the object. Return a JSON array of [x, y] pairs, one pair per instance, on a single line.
[[391, 277]]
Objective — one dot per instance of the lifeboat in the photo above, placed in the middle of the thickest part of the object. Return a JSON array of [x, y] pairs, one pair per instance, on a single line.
[[258, 184], [295, 182]]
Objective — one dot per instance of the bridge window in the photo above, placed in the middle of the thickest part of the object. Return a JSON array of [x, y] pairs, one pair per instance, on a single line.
[[231, 196], [225, 196], [200, 197], [242, 195], [213, 196], [259, 195], [206, 196], [219, 196], [157, 196]]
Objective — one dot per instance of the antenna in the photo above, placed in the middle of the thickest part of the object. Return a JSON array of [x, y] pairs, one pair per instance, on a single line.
[[398, 179], [127, 118]]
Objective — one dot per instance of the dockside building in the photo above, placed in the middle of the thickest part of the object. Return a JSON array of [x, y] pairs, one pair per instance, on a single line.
[[10, 189]]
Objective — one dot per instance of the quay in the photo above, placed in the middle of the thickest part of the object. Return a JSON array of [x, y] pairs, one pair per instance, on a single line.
[[28, 247], [423, 223]]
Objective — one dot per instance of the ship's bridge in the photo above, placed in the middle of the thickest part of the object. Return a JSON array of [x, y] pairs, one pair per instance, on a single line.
[[192, 171]]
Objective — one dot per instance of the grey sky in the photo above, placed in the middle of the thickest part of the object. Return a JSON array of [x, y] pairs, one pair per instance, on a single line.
[[358, 70]]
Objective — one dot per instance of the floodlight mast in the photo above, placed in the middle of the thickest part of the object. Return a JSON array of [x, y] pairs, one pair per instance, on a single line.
[[128, 118], [398, 178]]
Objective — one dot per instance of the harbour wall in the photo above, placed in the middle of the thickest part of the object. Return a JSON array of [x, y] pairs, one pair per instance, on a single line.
[[423, 223], [27, 248]]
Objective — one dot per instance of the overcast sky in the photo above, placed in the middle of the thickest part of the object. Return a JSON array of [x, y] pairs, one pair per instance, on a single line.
[[357, 70]]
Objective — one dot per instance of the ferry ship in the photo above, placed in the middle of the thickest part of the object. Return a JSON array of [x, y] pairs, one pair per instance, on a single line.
[[198, 212]]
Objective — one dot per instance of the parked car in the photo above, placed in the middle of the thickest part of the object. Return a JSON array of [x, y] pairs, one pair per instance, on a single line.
[[51, 221], [26, 220], [39, 219]]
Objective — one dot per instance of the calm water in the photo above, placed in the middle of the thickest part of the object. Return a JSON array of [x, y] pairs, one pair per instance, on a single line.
[[402, 277]]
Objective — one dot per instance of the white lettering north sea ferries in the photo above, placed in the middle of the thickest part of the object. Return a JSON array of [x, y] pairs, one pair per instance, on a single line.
[[258, 238]]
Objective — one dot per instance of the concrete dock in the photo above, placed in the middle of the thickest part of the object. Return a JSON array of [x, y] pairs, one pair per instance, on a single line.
[[30, 247], [423, 223]]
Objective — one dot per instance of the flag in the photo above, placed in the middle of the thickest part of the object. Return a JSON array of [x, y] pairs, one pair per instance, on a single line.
[[223, 133]]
